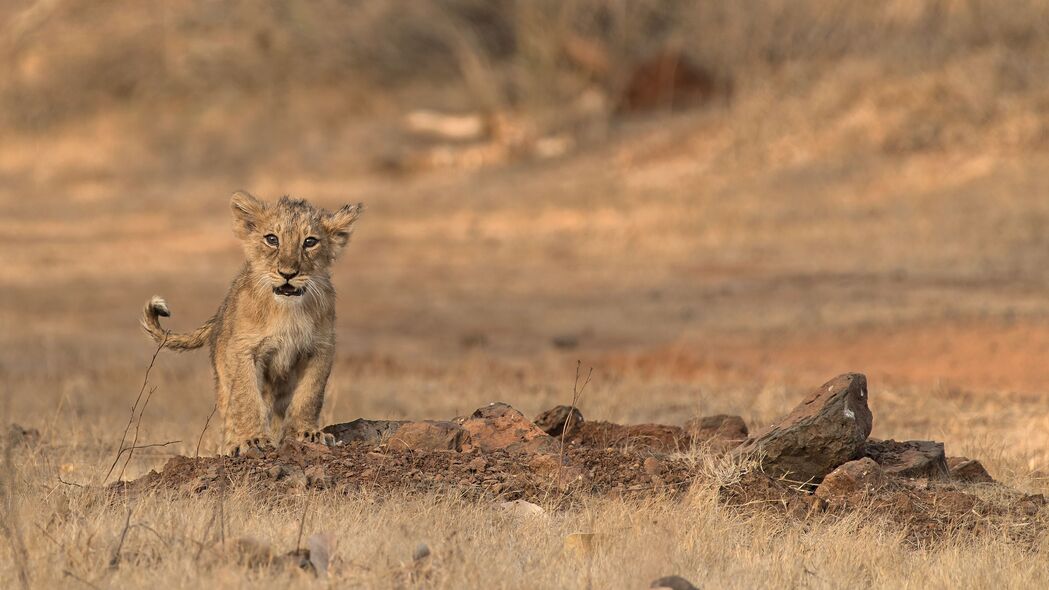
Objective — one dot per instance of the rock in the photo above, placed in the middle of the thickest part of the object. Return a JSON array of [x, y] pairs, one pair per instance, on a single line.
[[652, 466], [429, 435], [721, 426], [499, 426], [320, 546], [422, 551], [852, 481], [673, 583], [361, 430], [968, 470], [495, 426], [912, 458], [522, 508], [565, 341], [477, 464], [553, 420], [825, 430]]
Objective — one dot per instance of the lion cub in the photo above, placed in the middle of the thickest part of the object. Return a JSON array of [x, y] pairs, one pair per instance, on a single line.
[[273, 338]]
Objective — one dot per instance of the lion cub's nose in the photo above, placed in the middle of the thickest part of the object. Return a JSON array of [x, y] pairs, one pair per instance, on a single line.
[[288, 274]]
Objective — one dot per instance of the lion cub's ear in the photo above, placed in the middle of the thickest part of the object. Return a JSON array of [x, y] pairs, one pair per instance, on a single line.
[[340, 225], [247, 211]]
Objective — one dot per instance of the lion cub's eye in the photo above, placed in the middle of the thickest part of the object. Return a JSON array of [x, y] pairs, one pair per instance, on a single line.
[[272, 240], [309, 242]]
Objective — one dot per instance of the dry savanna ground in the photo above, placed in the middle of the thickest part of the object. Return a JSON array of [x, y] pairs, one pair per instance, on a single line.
[[858, 212]]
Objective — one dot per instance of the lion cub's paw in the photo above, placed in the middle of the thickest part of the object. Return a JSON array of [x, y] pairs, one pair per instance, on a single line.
[[251, 447], [315, 436]]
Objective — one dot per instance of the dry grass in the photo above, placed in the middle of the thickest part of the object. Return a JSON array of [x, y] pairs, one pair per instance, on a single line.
[[70, 529], [872, 198], [173, 541]]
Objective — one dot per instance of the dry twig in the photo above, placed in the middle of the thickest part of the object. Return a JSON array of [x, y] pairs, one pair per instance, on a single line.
[[214, 409], [114, 559], [134, 408], [577, 393]]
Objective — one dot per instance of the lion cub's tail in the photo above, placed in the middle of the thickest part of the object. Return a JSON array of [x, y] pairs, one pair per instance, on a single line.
[[155, 308]]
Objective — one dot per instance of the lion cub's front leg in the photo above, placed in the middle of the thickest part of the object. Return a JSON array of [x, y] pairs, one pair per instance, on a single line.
[[303, 414], [245, 412]]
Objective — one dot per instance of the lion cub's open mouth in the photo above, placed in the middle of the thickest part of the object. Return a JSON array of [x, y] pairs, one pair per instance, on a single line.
[[288, 290]]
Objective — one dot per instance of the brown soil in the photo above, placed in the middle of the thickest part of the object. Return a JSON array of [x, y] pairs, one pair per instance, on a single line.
[[496, 474], [657, 437]]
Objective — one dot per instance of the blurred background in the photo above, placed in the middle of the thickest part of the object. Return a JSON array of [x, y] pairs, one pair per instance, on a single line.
[[711, 202]]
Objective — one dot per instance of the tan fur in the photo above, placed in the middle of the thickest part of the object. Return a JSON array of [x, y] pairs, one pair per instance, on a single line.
[[271, 352]]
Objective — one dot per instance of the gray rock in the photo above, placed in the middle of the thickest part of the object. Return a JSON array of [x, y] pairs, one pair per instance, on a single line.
[[673, 583], [361, 430], [553, 420], [827, 429]]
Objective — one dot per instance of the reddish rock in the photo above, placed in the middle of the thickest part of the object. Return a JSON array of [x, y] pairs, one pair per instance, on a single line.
[[968, 470], [495, 426], [653, 466], [721, 426], [852, 481], [553, 421], [430, 435], [827, 429], [912, 458], [499, 426]]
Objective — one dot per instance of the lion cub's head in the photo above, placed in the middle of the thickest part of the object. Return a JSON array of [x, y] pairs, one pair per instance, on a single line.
[[290, 245]]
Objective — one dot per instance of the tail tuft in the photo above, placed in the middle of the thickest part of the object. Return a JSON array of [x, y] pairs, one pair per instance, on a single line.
[[160, 307], [157, 308]]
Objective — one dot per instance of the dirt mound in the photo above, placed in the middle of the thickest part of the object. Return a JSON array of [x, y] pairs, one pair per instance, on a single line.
[[497, 454], [496, 474]]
